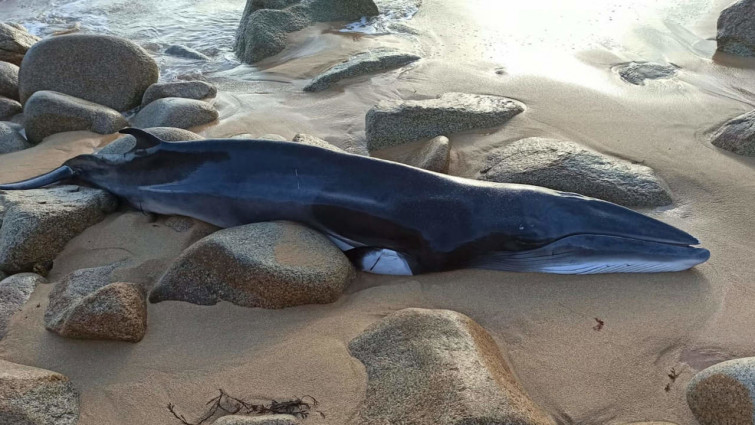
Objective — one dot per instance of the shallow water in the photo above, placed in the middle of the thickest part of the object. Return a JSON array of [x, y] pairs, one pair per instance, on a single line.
[[207, 26]]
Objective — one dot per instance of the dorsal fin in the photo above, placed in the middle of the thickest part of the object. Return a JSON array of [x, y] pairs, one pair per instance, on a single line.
[[144, 140]]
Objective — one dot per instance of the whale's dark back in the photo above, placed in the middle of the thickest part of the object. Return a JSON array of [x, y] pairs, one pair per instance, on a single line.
[[363, 201]]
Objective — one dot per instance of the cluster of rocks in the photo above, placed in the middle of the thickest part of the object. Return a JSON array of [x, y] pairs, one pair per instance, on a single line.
[[87, 82], [15, 41], [416, 360], [265, 24], [736, 35], [569, 167]]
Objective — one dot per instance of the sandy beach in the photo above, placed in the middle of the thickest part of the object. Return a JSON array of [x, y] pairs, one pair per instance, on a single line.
[[560, 64]]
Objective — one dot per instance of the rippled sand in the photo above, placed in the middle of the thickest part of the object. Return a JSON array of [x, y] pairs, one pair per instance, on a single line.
[[559, 62]]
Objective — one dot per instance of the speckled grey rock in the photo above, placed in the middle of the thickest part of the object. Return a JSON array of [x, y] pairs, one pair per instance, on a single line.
[[86, 305], [361, 64], [175, 112], [438, 367], [637, 72], [14, 43], [395, 122], [268, 265], [11, 140], [339, 10], [252, 5], [9, 108], [315, 141], [186, 53], [47, 113], [569, 167], [737, 135], [736, 29], [263, 32], [38, 223], [9, 80], [257, 420], [432, 156], [32, 396], [186, 89], [724, 393], [169, 134], [14, 292], [106, 70]]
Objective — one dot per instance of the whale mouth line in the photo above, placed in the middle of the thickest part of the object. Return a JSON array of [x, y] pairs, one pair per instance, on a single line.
[[596, 253], [627, 237]]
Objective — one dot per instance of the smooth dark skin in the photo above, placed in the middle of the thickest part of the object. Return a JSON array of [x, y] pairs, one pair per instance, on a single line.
[[438, 222]]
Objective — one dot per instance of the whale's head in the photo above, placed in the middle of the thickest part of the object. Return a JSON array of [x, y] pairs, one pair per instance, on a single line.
[[569, 233]]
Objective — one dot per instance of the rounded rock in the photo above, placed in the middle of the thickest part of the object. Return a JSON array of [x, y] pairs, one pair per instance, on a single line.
[[85, 305], [637, 72], [569, 167], [11, 140], [268, 265], [724, 393], [15, 41], [9, 108], [32, 396], [47, 113], [434, 155], [14, 293], [185, 89], [186, 53], [9, 80], [737, 135], [175, 112], [736, 29], [107, 70]]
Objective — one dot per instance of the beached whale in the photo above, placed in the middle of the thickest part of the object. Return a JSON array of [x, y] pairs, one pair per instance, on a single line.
[[388, 218]]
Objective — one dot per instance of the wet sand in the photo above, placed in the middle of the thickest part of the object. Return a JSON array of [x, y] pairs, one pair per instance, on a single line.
[[545, 323]]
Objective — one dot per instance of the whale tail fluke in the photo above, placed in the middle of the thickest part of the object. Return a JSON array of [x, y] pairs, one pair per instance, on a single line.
[[54, 176], [593, 254]]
